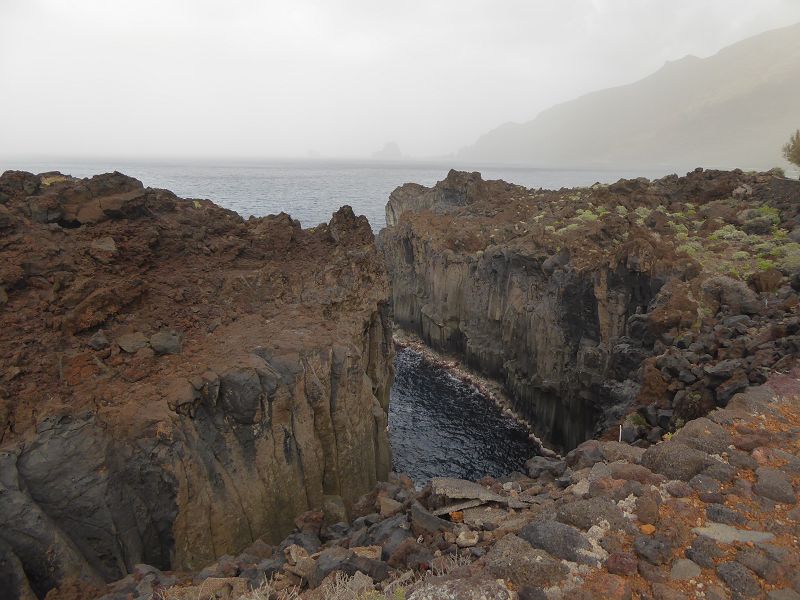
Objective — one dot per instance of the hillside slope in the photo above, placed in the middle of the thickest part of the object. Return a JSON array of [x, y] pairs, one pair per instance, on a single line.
[[733, 109]]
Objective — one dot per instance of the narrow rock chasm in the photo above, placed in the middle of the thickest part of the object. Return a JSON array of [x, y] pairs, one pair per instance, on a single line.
[[443, 426]]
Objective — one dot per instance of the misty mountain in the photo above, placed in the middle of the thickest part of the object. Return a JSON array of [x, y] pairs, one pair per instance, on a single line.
[[734, 109]]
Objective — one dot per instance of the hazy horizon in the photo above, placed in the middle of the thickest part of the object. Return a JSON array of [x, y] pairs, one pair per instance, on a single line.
[[248, 81]]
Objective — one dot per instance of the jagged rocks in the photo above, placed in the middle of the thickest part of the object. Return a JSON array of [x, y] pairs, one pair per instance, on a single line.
[[589, 303], [192, 381]]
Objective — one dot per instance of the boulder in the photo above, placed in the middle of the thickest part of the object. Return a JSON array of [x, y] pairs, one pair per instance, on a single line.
[[166, 341], [775, 485], [675, 460], [514, 559], [559, 540]]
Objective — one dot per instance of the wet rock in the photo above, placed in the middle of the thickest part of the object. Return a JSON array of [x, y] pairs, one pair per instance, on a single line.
[[675, 460], [739, 579], [514, 559], [655, 549], [775, 485], [166, 341]]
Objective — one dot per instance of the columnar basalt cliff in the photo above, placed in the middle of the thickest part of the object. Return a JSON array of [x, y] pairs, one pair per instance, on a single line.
[[569, 296], [177, 382]]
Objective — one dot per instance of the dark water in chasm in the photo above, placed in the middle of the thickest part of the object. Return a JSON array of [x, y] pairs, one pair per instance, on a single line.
[[440, 426]]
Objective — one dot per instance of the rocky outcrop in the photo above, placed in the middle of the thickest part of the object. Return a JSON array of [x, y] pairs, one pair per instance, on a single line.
[[568, 297], [177, 382], [711, 513]]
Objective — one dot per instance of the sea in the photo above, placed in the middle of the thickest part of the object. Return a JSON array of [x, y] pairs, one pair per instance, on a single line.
[[310, 190]]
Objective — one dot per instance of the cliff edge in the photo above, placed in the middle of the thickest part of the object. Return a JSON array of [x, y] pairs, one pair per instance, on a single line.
[[177, 382], [642, 302]]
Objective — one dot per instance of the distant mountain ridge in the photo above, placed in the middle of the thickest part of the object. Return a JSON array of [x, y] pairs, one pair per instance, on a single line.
[[733, 109]]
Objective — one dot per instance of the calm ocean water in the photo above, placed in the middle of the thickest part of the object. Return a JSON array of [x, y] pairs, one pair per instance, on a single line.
[[313, 189]]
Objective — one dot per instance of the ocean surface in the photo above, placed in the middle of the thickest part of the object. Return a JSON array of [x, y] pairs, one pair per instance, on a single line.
[[441, 426], [310, 190]]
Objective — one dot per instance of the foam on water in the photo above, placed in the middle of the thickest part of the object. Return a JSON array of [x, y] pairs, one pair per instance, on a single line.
[[440, 425]]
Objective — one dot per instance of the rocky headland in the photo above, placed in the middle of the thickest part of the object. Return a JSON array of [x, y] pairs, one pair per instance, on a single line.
[[221, 433], [647, 302], [177, 382]]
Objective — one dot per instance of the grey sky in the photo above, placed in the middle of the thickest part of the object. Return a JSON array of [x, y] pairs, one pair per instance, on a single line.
[[247, 78]]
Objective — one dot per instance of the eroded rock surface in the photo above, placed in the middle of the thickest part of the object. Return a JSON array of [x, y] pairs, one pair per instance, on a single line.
[[651, 300], [614, 529], [177, 382]]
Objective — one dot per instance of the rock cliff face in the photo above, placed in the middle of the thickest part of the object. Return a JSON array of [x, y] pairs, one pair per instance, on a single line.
[[564, 295], [177, 382]]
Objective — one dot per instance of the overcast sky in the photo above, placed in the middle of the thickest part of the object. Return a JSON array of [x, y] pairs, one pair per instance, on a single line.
[[249, 78]]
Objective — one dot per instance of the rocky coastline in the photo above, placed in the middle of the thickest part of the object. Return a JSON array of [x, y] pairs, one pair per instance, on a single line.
[[648, 302], [177, 382], [195, 405]]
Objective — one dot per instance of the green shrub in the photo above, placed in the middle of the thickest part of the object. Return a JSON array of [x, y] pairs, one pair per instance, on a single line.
[[679, 228], [728, 232], [691, 248], [621, 211], [763, 264], [779, 234], [741, 255]]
